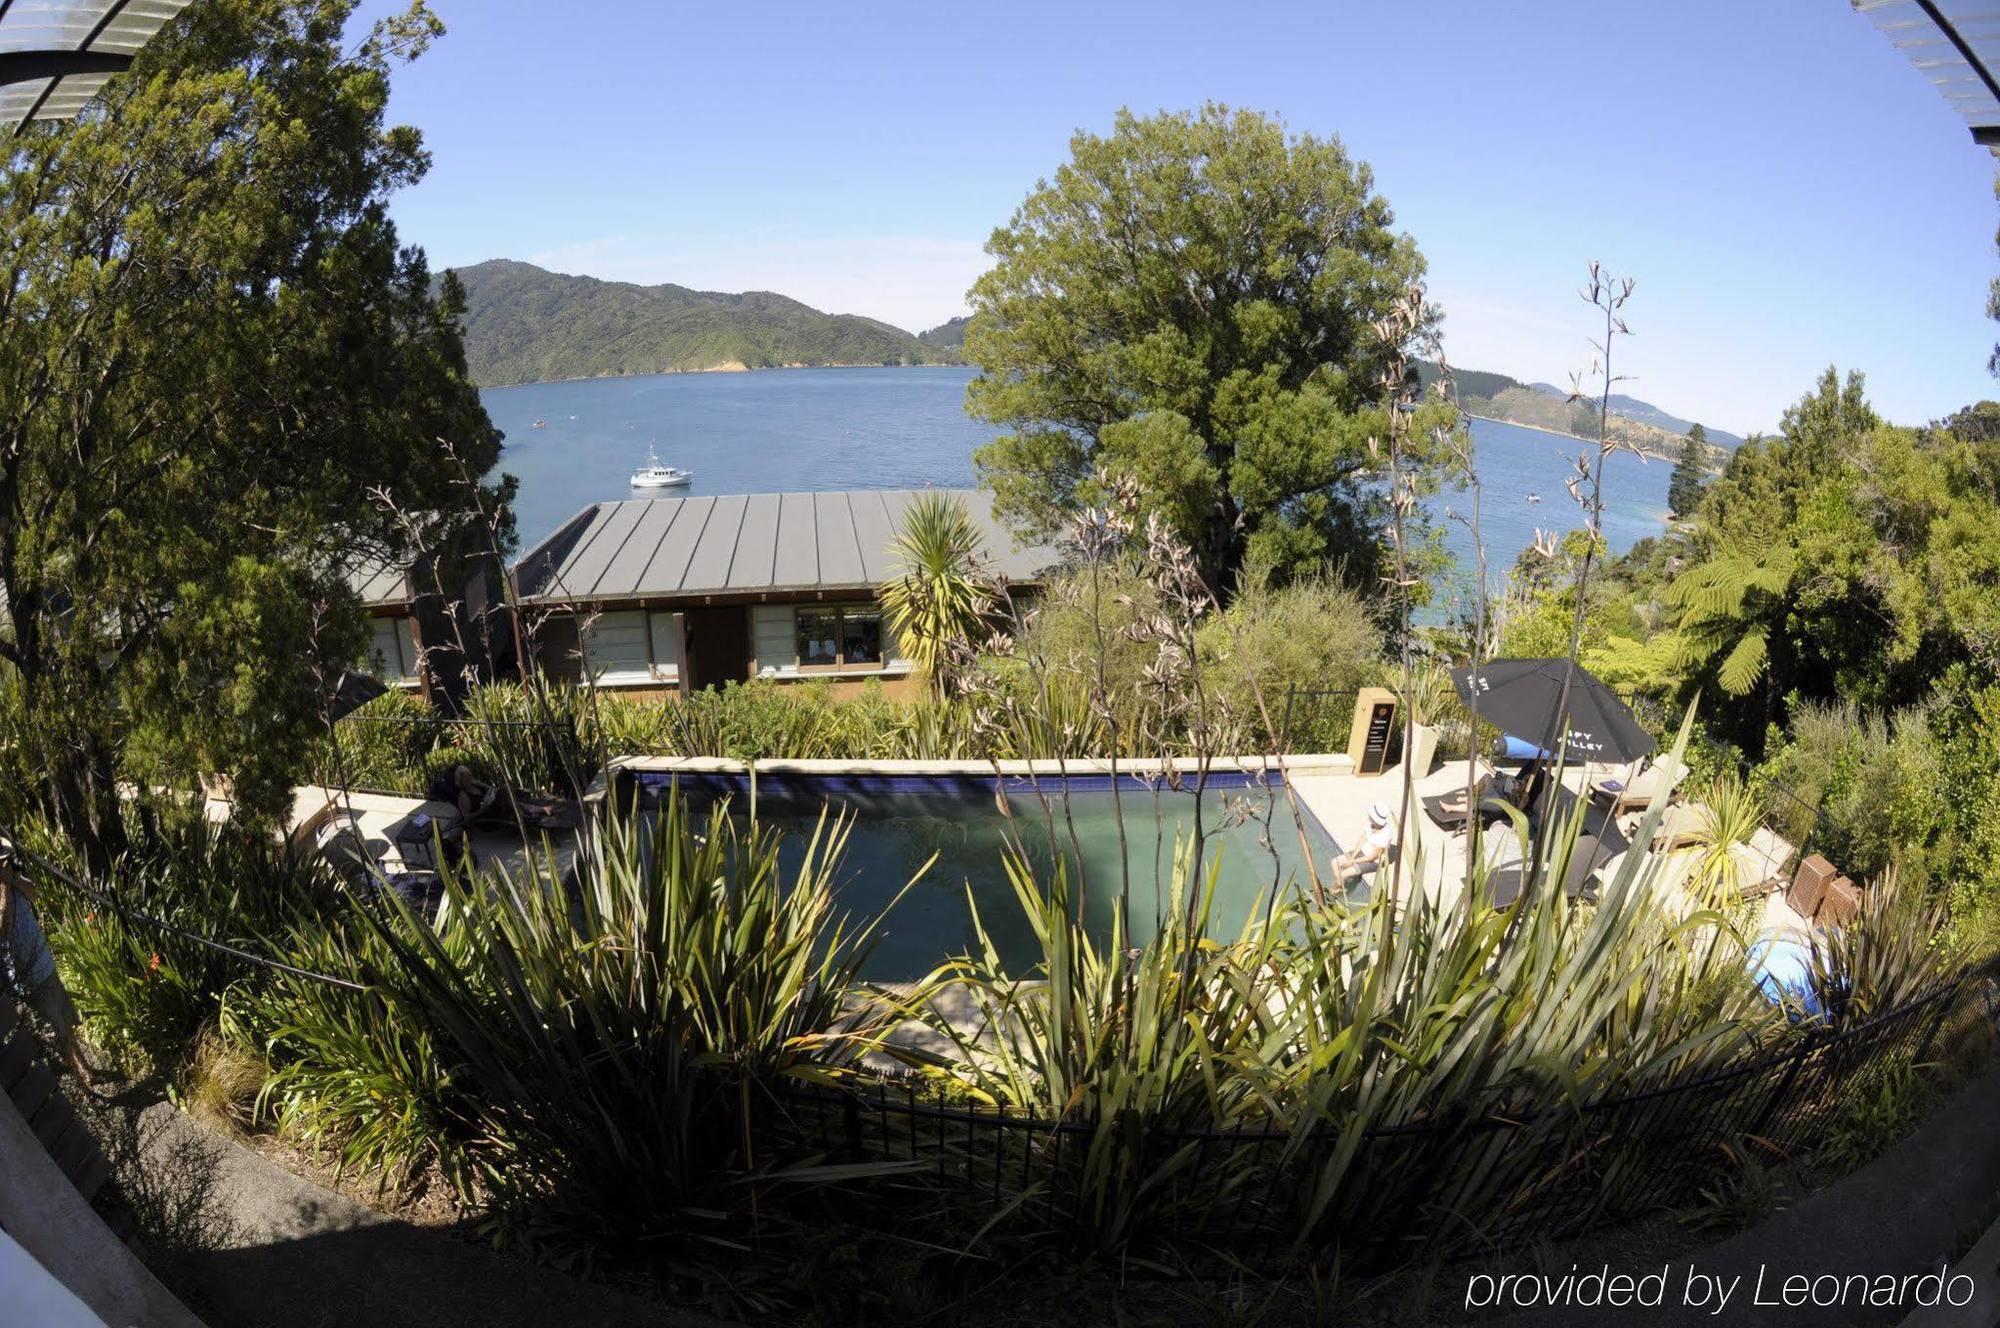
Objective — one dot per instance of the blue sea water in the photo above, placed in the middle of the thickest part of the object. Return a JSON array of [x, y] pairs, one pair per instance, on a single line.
[[817, 429]]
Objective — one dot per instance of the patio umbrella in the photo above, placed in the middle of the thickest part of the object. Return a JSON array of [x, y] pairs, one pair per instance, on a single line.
[[350, 692], [1524, 697]]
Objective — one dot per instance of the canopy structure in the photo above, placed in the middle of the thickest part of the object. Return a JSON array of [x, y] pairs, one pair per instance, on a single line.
[[55, 55], [1526, 698], [1956, 45]]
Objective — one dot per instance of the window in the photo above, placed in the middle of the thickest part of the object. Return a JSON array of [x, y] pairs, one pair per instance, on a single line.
[[861, 637], [818, 635], [392, 649], [822, 638], [632, 648]]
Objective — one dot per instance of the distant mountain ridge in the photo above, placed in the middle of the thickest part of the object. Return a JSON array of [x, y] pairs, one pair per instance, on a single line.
[[1545, 406], [525, 324]]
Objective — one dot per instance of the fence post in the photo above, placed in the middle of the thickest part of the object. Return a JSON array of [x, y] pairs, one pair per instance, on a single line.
[[1946, 1004], [1284, 736], [1812, 1043]]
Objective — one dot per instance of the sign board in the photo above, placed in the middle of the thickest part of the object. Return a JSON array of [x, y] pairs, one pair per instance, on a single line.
[[1375, 741]]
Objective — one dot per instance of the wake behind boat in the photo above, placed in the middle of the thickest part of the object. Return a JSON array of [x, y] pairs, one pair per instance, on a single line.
[[653, 475]]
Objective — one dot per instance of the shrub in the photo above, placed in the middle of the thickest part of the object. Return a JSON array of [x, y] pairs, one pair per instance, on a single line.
[[382, 745], [1876, 781], [348, 1071], [151, 991], [618, 1047], [1313, 636], [540, 739]]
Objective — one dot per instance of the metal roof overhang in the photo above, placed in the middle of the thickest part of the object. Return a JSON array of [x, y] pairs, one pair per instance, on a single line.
[[1955, 44], [55, 55]]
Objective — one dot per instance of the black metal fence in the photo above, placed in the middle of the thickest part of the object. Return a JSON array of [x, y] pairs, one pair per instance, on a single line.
[[1466, 1182]]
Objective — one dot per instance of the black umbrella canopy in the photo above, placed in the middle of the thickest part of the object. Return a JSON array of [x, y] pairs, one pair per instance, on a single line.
[[351, 691], [1524, 697]]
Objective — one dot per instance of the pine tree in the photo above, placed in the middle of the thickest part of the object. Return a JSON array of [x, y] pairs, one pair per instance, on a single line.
[[1690, 473]]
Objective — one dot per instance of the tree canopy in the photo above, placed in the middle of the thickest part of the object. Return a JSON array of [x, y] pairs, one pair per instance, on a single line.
[[1690, 472], [1192, 300], [222, 382]]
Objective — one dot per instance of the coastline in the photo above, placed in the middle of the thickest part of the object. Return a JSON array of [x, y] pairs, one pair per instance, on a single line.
[[1645, 453], [732, 367]]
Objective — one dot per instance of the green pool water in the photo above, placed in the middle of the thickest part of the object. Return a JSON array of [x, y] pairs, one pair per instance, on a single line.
[[895, 831]]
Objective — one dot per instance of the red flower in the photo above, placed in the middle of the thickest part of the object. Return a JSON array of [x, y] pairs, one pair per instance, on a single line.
[[155, 965], [90, 918]]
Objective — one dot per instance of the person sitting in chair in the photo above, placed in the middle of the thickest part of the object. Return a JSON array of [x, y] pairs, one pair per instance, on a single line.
[[473, 796], [1374, 848]]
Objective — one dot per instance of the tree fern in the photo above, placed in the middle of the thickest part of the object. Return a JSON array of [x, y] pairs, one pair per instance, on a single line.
[[1727, 605]]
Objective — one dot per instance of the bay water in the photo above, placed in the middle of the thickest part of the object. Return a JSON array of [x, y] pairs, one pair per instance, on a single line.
[[781, 430]]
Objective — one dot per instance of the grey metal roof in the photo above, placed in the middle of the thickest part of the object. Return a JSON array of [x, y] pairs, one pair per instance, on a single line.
[[744, 543], [55, 55], [1956, 45]]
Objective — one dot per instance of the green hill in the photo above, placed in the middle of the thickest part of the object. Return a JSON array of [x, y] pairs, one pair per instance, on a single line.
[[949, 337], [524, 324]]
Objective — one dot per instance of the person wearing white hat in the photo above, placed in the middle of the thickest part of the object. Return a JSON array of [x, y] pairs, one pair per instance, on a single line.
[[1374, 847]]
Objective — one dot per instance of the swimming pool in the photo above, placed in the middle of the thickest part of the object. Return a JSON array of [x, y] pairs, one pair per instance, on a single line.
[[900, 820]]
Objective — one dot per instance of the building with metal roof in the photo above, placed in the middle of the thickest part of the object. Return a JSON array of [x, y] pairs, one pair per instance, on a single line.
[[672, 593]]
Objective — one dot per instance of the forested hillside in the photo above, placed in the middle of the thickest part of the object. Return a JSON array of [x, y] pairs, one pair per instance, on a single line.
[[524, 324]]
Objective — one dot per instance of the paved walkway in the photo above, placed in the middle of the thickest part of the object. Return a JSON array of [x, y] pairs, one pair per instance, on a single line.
[[1907, 1212], [305, 1257]]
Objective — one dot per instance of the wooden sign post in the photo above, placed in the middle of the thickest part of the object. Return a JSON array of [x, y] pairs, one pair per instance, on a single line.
[[1375, 741]]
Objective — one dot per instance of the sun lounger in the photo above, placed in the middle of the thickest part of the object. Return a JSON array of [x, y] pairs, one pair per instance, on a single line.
[[1682, 825], [1586, 858], [1637, 792], [1498, 794]]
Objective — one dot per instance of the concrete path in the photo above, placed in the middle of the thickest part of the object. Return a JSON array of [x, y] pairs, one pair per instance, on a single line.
[[1906, 1213], [42, 1211], [305, 1257]]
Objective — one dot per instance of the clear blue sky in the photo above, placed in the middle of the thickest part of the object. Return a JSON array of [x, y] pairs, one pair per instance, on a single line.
[[1787, 189]]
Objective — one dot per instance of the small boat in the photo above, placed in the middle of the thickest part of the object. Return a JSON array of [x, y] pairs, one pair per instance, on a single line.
[[1534, 497], [541, 424], [653, 475]]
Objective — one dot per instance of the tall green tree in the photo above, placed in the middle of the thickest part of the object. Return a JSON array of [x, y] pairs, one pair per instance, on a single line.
[[1192, 300], [1690, 473], [222, 378], [936, 599]]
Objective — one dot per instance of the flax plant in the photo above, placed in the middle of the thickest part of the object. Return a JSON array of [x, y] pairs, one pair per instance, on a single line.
[[1456, 1018], [1125, 1054], [623, 1040]]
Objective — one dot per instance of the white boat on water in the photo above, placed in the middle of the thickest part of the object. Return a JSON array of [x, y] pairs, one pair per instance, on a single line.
[[653, 475]]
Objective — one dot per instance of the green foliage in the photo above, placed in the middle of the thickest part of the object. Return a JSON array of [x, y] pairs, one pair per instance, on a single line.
[[935, 601], [1727, 605], [349, 1073], [383, 745], [538, 738], [1730, 814], [523, 324], [1129, 1041], [1745, 1187], [1690, 473], [1892, 952], [217, 359], [1189, 301], [1879, 784], [1313, 636], [1873, 1113], [626, 1091], [143, 990]]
